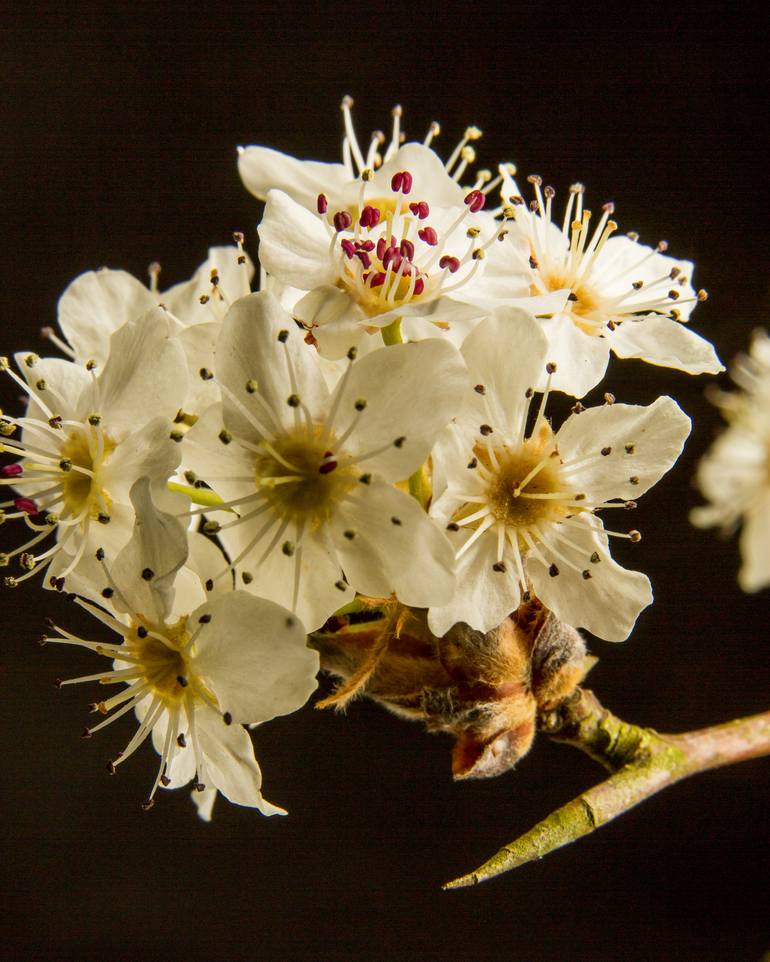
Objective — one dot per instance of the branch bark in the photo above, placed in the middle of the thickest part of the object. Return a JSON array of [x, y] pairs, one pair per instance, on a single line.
[[642, 763]]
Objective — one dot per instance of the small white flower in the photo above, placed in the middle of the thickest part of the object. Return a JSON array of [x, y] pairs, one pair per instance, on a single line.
[[196, 668], [86, 438], [308, 471], [734, 475], [98, 303], [521, 503], [623, 296], [405, 242]]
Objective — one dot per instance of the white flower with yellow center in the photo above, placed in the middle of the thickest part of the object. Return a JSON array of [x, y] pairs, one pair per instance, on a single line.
[[520, 501], [309, 513], [85, 439], [623, 296], [734, 475], [197, 668]]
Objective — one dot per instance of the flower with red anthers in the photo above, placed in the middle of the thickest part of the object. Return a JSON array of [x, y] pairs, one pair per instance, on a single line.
[[622, 296], [380, 257]]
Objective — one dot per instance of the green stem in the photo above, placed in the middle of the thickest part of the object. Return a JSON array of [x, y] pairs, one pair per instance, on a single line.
[[392, 333], [643, 762]]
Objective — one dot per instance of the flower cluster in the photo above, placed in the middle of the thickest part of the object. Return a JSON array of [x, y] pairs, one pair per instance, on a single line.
[[215, 473]]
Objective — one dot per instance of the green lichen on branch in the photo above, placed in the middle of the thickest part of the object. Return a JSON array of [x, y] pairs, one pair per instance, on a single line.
[[642, 762]]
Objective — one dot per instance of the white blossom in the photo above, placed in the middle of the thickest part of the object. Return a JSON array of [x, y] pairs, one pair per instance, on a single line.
[[309, 513], [734, 475], [98, 303], [520, 499], [198, 666], [623, 296], [86, 437], [405, 242]]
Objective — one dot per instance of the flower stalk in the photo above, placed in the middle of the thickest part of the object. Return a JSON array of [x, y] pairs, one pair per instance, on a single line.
[[642, 762]]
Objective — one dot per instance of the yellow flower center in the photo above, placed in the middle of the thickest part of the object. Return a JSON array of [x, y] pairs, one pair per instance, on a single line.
[[302, 478], [84, 492], [162, 663]]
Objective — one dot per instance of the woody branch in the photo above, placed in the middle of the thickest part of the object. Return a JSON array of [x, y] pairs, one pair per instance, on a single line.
[[642, 762]]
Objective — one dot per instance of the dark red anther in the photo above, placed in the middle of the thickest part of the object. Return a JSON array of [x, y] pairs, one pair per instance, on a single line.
[[419, 286], [322, 204], [364, 258], [420, 209], [452, 264], [475, 200], [407, 249], [27, 505], [348, 246], [327, 466], [428, 235], [401, 181], [381, 247], [370, 216], [366, 245], [391, 257], [342, 220], [12, 470], [378, 280]]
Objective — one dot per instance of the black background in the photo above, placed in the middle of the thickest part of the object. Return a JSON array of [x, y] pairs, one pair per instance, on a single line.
[[117, 141]]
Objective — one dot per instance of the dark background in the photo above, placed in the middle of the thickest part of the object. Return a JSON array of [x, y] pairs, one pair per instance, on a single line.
[[118, 127]]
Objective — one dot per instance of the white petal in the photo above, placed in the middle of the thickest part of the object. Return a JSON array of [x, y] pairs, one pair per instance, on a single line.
[[607, 604], [321, 590], [147, 453], [95, 305], [581, 359], [263, 169], [253, 654], [230, 764], [659, 340], [249, 350], [483, 597], [656, 435], [396, 548], [199, 343], [145, 375], [65, 381], [431, 181], [411, 391], [294, 244], [213, 461], [335, 318], [506, 354], [158, 547]]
